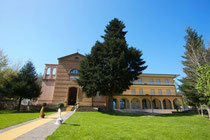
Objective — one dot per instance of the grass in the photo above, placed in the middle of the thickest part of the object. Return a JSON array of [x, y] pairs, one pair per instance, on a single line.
[[99, 126], [11, 117]]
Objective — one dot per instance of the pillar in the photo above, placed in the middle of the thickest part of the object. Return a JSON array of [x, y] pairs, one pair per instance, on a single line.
[[129, 100], [141, 107], [172, 104], [162, 104], [118, 103]]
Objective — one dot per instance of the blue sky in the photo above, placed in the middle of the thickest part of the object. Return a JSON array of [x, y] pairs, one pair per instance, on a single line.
[[43, 30]]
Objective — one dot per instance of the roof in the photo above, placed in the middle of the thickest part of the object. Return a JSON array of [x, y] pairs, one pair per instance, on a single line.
[[155, 74], [71, 55]]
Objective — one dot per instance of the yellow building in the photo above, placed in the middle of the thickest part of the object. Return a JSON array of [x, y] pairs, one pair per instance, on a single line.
[[150, 93]]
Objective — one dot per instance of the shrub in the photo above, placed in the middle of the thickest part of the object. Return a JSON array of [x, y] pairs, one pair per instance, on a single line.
[[44, 104], [60, 105]]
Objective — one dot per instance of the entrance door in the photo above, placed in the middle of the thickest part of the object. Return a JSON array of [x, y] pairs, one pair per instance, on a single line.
[[72, 96]]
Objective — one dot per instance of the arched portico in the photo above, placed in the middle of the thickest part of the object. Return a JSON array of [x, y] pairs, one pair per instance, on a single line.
[[167, 104], [124, 103], [156, 104], [146, 104], [135, 103]]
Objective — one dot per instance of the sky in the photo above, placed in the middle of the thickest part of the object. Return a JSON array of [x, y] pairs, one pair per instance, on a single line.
[[44, 30]]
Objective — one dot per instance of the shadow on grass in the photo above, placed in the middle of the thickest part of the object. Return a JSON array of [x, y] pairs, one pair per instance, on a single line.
[[140, 114], [71, 124]]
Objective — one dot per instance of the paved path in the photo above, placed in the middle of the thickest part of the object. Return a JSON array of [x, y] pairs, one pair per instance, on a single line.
[[37, 129]]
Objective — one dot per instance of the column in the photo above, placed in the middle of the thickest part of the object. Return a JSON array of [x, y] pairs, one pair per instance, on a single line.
[[118, 103], [172, 103], [162, 104], [129, 100], [141, 107]]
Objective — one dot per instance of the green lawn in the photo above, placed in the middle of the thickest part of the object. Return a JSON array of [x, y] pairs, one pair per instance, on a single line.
[[96, 126], [9, 117]]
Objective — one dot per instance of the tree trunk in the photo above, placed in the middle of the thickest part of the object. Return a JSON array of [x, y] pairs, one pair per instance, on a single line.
[[197, 109], [201, 107], [109, 106], [208, 109], [18, 108]]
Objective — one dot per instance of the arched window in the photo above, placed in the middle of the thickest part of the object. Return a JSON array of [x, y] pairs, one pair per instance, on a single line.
[[54, 71], [48, 71], [74, 71]]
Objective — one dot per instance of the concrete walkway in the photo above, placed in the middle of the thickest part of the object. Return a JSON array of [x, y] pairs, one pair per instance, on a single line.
[[37, 129]]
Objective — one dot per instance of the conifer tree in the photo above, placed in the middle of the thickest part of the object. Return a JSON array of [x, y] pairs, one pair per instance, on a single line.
[[24, 85], [111, 66], [195, 56]]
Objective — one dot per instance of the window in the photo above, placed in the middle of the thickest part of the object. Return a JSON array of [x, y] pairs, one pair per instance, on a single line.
[[159, 91], [141, 91], [152, 92], [74, 77], [76, 58], [140, 81], [133, 82], [74, 71], [151, 81], [133, 91], [168, 92], [166, 82], [54, 71], [158, 81], [48, 71]]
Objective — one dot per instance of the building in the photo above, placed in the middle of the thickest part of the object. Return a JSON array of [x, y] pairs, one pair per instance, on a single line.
[[151, 92]]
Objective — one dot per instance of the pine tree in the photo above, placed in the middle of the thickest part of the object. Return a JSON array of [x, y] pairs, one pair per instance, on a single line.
[[111, 66], [24, 85], [195, 56]]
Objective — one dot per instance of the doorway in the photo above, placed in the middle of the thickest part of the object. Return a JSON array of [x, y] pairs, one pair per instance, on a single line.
[[72, 98]]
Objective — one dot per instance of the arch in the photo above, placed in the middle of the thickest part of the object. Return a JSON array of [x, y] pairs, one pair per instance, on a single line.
[[135, 103], [48, 71], [114, 104], [124, 104], [74, 71], [177, 103], [54, 71], [167, 104], [156, 103], [146, 104], [72, 96]]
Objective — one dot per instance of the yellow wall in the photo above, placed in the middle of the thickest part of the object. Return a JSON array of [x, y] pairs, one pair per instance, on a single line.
[[148, 87]]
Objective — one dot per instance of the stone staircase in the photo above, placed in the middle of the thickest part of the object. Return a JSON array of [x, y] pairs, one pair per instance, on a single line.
[[70, 108]]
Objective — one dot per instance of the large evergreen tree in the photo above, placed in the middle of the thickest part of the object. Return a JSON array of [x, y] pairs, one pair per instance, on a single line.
[[24, 85], [111, 66], [195, 56]]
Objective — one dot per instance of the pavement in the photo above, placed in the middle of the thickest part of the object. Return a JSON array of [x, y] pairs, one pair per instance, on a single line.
[[37, 129]]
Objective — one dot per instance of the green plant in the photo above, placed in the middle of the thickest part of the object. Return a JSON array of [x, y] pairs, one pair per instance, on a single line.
[[44, 104], [42, 114], [60, 105]]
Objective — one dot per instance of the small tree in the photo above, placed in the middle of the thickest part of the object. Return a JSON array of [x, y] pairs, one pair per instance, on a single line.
[[42, 114], [203, 85], [25, 85], [112, 65], [5, 75]]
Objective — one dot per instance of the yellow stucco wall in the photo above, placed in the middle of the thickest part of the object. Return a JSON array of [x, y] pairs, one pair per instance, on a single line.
[[146, 86]]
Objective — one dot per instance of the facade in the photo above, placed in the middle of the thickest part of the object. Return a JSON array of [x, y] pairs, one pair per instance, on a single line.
[[151, 92]]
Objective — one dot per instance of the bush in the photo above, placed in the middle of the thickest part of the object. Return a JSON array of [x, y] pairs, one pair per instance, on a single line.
[[60, 105], [44, 104]]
